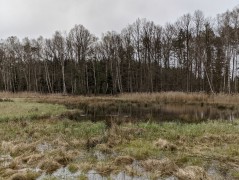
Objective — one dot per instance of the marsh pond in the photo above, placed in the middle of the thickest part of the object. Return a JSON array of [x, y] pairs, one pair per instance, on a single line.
[[157, 113]]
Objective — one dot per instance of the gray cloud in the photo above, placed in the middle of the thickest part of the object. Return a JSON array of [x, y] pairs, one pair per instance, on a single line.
[[33, 18]]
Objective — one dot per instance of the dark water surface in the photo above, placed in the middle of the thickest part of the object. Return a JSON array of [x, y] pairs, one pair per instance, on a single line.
[[158, 113]]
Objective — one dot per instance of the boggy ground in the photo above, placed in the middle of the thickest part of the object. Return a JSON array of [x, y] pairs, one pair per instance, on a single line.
[[36, 145]]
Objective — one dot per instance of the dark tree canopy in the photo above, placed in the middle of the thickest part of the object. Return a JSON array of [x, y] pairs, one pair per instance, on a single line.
[[193, 54]]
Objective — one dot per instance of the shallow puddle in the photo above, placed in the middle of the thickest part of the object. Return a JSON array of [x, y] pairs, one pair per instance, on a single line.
[[215, 173], [65, 174], [62, 173]]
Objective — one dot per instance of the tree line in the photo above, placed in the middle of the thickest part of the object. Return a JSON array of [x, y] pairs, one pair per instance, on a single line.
[[193, 54]]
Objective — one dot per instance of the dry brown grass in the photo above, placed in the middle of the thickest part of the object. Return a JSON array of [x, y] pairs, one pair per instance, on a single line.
[[85, 166], [76, 143], [33, 159], [105, 168], [106, 100], [214, 138], [23, 148], [166, 97], [183, 98], [62, 156], [161, 167], [192, 173], [93, 142], [8, 172], [7, 146], [5, 94], [25, 176], [49, 166], [15, 164], [165, 145], [124, 160], [60, 142], [104, 148]]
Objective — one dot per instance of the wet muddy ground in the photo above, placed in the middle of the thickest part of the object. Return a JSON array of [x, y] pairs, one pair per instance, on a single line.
[[123, 141]]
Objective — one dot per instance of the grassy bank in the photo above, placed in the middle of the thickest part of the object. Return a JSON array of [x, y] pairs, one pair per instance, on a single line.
[[17, 109]]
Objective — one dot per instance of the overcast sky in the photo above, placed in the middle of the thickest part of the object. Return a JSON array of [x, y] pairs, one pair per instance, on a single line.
[[33, 18]]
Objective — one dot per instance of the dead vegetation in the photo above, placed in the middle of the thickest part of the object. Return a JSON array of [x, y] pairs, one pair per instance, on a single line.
[[162, 97], [49, 165], [7, 146], [124, 160], [192, 172], [214, 138], [161, 167], [104, 148], [165, 145], [23, 174], [94, 141], [33, 159], [28, 175], [7, 172], [85, 166], [105, 169], [22, 148], [218, 100]]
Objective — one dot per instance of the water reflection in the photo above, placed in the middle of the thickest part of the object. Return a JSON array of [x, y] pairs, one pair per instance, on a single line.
[[159, 113]]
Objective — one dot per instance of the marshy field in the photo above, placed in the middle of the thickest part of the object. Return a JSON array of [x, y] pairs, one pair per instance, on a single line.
[[184, 136]]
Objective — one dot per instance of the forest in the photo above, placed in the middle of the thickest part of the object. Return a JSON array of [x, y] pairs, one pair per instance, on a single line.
[[193, 54]]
